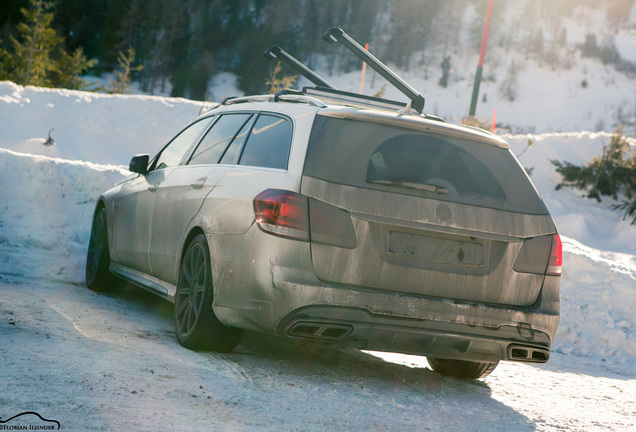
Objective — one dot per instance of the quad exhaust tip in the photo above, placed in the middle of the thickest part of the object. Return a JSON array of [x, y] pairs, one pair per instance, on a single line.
[[528, 354], [319, 330]]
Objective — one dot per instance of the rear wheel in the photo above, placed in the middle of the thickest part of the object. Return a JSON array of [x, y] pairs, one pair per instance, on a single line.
[[98, 276], [461, 368], [195, 323]]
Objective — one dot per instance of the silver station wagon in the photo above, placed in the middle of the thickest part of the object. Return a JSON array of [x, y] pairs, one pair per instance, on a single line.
[[344, 219]]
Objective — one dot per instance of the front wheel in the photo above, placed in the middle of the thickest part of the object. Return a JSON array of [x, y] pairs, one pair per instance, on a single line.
[[196, 325], [461, 368]]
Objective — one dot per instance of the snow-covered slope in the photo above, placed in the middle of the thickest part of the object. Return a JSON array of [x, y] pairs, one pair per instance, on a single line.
[[89, 126], [47, 202]]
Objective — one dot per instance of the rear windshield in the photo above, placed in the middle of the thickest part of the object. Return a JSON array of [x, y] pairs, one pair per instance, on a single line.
[[370, 155]]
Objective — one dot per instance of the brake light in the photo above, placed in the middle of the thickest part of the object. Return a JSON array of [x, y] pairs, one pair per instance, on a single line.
[[282, 213], [288, 214], [541, 255], [555, 265]]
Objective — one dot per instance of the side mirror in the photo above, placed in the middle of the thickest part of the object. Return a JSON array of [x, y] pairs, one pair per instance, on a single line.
[[139, 164]]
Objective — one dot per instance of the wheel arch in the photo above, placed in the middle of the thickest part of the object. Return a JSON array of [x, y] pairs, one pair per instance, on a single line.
[[101, 203], [194, 231]]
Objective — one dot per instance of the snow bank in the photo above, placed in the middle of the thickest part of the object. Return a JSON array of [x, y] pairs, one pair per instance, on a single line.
[[598, 300], [89, 126], [45, 215]]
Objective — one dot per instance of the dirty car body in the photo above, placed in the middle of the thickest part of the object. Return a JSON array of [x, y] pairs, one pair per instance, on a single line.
[[348, 226], [343, 219]]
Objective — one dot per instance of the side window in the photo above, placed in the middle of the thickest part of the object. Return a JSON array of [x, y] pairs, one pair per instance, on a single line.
[[232, 151], [223, 133], [172, 154], [269, 143]]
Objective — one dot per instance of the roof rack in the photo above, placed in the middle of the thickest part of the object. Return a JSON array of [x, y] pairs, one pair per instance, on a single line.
[[276, 52], [285, 95], [336, 34], [355, 99]]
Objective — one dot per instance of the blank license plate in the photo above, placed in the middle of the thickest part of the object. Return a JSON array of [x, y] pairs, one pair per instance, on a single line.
[[436, 249]]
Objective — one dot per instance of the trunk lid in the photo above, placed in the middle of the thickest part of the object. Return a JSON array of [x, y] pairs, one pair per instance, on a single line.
[[433, 215]]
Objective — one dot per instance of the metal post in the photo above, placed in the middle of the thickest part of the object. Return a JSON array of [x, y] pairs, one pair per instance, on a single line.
[[480, 66]]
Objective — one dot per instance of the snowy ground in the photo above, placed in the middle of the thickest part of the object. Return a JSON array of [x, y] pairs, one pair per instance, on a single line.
[[111, 362]]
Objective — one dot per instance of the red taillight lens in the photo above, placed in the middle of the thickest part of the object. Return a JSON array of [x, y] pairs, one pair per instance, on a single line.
[[541, 255], [555, 265], [289, 214], [282, 213]]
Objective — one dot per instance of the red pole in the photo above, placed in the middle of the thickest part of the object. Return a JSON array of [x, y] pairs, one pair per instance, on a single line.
[[484, 39], [364, 69]]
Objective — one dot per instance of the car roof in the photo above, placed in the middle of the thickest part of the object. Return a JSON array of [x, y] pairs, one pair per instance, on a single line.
[[297, 103]]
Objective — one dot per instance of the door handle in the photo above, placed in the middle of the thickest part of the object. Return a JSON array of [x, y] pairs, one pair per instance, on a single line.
[[198, 184], [154, 187]]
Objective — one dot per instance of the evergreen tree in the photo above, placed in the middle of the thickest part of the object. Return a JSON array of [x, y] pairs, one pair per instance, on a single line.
[[32, 60], [121, 83], [612, 174], [5, 60], [71, 67]]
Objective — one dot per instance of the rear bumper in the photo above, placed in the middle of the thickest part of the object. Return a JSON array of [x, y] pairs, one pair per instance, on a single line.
[[274, 292], [354, 328]]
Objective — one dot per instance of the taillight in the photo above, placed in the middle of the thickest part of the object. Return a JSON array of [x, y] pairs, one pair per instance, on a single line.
[[282, 213], [555, 265], [541, 255], [289, 214]]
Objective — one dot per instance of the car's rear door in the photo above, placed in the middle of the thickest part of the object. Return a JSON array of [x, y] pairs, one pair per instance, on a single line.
[[181, 195]]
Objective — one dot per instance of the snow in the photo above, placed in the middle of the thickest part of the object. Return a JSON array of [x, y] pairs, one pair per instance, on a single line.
[[111, 362]]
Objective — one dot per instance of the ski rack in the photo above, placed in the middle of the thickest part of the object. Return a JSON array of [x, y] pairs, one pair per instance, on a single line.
[[324, 91], [275, 51], [336, 34]]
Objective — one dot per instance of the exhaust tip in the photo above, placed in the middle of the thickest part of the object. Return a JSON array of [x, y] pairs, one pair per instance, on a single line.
[[528, 354], [319, 330]]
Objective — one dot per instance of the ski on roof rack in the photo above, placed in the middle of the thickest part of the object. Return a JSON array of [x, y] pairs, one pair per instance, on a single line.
[[336, 34], [275, 51]]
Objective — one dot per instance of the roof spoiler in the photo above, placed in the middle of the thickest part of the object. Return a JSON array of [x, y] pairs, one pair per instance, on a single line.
[[336, 34], [275, 51]]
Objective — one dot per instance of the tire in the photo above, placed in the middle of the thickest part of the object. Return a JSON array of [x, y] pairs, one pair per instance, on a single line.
[[98, 276], [461, 368], [196, 326]]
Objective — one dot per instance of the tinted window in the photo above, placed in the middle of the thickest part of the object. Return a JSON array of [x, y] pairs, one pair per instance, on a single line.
[[174, 152], [269, 142], [422, 161], [218, 139], [389, 158], [231, 154]]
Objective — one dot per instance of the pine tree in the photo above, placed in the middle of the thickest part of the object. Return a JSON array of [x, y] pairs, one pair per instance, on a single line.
[[121, 83], [612, 174], [71, 67], [32, 60], [5, 61]]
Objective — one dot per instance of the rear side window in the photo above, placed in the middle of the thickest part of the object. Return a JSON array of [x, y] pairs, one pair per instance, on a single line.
[[388, 158], [269, 143], [218, 139]]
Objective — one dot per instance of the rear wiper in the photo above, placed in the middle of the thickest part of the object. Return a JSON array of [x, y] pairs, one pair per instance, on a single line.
[[411, 185]]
